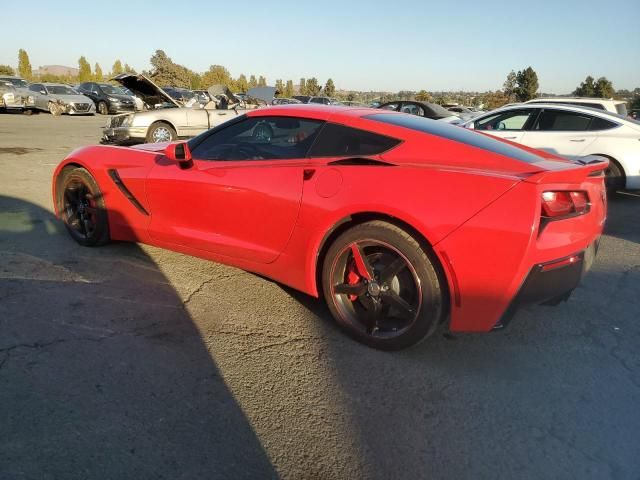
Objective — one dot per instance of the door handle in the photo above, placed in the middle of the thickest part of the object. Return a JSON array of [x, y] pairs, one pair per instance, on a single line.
[[510, 138], [577, 139]]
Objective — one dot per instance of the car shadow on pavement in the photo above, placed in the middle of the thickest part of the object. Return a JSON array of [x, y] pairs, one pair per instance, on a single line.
[[553, 395], [102, 371], [623, 215]]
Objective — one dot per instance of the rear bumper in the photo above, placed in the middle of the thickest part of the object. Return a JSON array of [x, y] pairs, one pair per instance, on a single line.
[[551, 282]]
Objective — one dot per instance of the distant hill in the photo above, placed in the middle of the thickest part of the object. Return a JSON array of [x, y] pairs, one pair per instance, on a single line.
[[60, 70]]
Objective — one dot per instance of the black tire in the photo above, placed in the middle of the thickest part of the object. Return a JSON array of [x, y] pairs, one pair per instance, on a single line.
[[87, 224], [103, 109], [369, 310], [614, 177], [160, 129]]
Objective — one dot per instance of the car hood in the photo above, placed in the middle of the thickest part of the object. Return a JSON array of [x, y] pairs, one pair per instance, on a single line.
[[71, 98], [141, 86], [266, 94], [121, 97]]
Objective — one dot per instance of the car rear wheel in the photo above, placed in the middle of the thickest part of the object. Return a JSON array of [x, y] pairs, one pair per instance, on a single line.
[[161, 132], [381, 286], [81, 207], [103, 109], [614, 177]]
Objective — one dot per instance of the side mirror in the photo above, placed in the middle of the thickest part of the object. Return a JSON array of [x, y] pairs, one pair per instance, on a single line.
[[179, 153], [43, 92]]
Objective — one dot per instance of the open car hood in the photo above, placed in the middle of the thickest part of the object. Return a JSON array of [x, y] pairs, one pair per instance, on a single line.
[[266, 94], [141, 86], [215, 90]]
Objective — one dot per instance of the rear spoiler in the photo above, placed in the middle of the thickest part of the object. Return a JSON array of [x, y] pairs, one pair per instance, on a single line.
[[576, 172]]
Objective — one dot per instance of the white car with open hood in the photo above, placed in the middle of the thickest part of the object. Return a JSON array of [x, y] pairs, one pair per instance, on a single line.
[[165, 119], [571, 131]]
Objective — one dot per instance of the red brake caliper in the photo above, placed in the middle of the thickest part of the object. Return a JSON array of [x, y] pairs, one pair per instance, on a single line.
[[353, 278]]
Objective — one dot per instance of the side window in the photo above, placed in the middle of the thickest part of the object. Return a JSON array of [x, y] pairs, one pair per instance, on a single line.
[[562, 121], [413, 109], [509, 120], [35, 87], [260, 138], [390, 106], [601, 124], [341, 141]]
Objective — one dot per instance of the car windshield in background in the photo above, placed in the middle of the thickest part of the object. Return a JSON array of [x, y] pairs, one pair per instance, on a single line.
[[457, 134], [110, 89], [16, 82], [61, 90]]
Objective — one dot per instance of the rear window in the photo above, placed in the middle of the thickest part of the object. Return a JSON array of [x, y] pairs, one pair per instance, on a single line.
[[621, 108], [457, 134], [562, 121], [601, 124], [340, 141]]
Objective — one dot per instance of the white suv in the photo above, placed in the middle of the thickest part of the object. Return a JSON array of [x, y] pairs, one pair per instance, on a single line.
[[609, 105]]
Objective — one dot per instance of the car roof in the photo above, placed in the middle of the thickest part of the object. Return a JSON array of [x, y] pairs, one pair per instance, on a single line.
[[578, 99], [558, 106]]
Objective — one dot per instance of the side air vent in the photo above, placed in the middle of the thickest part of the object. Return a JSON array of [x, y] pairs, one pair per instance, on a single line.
[[125, 191]]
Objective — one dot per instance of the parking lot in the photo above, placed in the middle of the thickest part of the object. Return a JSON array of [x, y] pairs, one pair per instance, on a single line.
[[128, 361]]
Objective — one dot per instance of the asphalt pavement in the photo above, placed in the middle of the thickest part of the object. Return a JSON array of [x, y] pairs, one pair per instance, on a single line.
[[128, 361]]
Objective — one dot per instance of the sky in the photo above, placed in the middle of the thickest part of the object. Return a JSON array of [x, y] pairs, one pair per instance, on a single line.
[[362, 45]]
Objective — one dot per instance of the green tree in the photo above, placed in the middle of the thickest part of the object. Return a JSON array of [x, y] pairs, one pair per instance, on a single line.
[[329, 88], [97, 73], [509, 86], [492, 100], [303, 86], [6, 70], [241, 84], [252, 81], [262, 82], [216, 75], [527, 84], [24, 65], [84, 70], [288, 89], [423, 96], [195, 81], [165, 72], [604, 88], [279, 88], [117, 68], [313, 87], [586, 88]]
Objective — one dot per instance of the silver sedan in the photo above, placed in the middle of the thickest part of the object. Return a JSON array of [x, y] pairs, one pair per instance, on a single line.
[[57, 99]]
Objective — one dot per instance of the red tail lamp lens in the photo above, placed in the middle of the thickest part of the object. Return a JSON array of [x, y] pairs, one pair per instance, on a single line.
[[564, 203]]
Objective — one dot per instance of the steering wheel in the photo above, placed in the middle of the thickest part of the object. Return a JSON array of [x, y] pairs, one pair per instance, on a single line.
[[245, 151]]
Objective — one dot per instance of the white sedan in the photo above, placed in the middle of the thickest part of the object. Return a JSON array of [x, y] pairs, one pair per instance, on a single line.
[[571, 131]]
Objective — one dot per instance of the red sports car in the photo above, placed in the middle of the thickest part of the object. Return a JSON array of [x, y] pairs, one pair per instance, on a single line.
[[399, 222]]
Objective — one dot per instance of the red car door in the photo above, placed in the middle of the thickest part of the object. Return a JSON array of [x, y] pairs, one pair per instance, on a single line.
[[242, 195]]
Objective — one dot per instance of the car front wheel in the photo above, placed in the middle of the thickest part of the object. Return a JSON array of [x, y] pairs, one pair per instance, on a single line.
[[81, 207], [103, 109], [161, 132], [382, 287]]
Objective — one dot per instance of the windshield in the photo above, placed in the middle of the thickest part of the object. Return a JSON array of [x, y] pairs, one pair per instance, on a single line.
[[111, 90], [17, 82], [61, 90]]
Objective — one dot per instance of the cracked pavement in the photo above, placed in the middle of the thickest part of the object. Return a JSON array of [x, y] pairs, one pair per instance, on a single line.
[[128, 361]]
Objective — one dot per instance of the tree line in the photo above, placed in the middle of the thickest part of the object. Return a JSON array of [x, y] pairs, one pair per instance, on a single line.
[[518, 86]]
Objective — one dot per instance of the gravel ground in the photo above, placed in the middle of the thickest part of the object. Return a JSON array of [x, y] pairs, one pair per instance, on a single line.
[[132, 362]]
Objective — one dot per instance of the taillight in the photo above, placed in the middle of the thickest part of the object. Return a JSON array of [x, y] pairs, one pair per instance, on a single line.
[[561, 204]]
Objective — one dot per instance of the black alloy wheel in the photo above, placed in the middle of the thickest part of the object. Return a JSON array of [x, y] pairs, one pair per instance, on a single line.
[[381, 286]]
